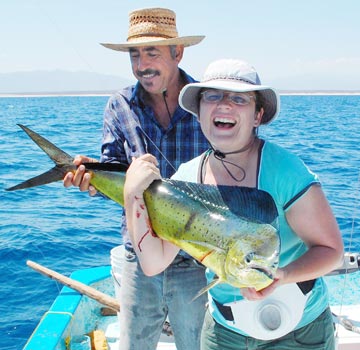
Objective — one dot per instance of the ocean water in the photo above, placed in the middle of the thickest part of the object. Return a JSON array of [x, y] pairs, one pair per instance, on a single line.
[[66, 230]]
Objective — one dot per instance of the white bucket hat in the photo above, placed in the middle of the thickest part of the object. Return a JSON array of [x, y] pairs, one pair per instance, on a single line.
[[153, 27], [231, 75]]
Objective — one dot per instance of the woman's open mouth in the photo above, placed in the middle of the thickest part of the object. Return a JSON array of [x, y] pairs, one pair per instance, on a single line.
[[222, 122]]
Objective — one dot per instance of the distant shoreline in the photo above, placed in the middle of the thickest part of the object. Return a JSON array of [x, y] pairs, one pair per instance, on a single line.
[[58, 94], [324, 93], [109, 93]]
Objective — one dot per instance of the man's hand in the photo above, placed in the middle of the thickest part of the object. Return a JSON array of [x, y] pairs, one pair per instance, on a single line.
[[80, 179]]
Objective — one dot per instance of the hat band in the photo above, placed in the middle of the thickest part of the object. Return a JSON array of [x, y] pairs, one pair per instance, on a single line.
[[150, 35], [231, 78]]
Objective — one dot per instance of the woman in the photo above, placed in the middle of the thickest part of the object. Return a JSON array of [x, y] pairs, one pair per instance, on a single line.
[[231, 104]]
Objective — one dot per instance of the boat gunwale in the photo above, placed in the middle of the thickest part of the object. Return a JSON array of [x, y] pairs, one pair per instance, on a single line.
[[54, 323]]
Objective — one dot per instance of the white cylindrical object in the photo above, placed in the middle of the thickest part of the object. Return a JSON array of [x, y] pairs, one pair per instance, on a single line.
[[116, 261]]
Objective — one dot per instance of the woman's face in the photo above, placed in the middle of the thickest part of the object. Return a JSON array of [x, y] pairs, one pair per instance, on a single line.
[[228, 118]]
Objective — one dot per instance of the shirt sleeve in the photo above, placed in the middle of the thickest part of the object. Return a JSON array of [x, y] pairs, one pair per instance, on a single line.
[[113, 141], [284, 175]]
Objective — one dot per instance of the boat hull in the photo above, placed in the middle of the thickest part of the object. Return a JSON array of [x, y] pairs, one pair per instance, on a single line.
[[73, 316]]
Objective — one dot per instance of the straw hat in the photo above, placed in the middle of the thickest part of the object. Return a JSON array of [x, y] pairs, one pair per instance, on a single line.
[[153, 27], [231, 75]]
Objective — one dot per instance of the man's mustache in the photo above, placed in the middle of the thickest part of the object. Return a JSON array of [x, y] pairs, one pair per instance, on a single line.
[[147, 72]]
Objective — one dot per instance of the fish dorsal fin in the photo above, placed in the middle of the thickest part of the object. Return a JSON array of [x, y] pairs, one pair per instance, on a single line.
[[250, 203]]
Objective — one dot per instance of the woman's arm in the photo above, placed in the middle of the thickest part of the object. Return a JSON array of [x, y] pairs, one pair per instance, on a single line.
[[153, 253], [313, 221]]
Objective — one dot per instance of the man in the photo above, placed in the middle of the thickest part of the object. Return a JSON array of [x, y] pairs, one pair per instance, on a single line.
[[146, 118]]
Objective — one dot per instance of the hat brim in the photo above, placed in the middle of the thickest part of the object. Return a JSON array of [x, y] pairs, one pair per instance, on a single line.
[[189, 96], [155, 41]]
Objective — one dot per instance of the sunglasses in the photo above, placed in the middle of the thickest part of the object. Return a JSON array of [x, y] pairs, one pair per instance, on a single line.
[[215, 96]]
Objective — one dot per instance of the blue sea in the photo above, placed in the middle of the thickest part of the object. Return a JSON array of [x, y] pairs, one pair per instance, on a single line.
[[67, 230]]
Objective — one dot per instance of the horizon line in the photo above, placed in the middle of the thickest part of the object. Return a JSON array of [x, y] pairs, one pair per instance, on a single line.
[[110, 92]]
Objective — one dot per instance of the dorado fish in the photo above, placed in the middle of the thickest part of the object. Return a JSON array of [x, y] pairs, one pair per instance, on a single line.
[[231, 230]]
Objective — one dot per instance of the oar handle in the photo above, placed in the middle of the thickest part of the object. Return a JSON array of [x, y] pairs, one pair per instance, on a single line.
[[82, 288]]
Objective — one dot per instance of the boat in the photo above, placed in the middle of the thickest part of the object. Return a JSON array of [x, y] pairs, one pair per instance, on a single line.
[[76, 321]]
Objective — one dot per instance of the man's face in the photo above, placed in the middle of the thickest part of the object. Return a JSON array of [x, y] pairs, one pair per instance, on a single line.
[[154, 67]]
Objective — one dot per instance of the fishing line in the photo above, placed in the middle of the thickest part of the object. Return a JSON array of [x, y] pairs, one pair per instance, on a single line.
[[58, 286], [64, 37], [140, 129], [69, 43]]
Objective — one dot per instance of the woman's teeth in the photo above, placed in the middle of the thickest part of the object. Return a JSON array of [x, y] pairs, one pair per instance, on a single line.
[[224, 122]]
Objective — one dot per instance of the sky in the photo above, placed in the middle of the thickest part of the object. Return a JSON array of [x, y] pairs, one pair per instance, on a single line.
[[308, 44]]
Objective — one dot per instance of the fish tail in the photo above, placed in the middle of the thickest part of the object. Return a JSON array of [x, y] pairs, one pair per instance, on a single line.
[[63, 163], [50, 176]]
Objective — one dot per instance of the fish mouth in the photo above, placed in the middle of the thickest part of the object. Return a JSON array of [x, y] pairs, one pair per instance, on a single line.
[[267, 272]]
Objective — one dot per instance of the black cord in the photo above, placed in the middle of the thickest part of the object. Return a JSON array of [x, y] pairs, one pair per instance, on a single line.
[[164, 93], [221, 156], [223, 162]]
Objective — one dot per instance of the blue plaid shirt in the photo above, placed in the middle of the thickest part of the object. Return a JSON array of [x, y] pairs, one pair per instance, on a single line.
[[131, 129]]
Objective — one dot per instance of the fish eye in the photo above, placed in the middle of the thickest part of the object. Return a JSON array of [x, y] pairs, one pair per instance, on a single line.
[[249, 258]]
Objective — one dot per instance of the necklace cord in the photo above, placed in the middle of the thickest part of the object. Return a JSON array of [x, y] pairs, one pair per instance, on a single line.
[[225, 162], [222, 155]]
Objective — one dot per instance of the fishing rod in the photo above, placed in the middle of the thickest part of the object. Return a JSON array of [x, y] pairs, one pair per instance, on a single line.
[[351, 263]]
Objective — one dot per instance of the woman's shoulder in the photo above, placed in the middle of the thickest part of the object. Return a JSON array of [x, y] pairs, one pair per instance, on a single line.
[[275, 149], [283, 173], [282, 158]]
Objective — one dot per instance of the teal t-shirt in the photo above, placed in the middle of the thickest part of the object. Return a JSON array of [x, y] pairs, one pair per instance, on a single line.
[[286, 178]]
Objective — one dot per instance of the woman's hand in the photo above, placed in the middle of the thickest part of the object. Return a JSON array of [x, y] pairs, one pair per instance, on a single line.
[[141, 173], [252, 294], [154, 254]]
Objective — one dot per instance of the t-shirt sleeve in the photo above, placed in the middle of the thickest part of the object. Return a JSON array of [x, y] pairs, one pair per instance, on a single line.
[[285, 175]]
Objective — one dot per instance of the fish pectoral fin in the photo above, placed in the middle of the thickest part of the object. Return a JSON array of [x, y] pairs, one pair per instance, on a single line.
[[206, 288]]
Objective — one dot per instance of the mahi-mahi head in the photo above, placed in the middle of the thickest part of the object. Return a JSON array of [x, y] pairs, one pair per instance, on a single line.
[[231, 230]]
